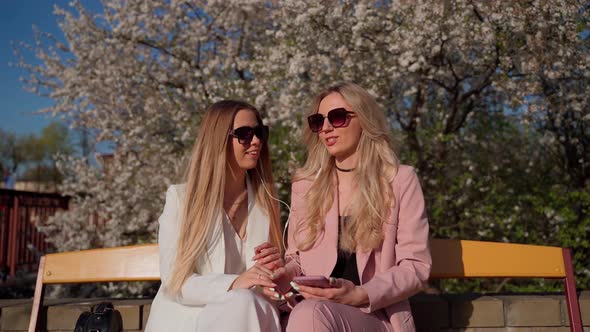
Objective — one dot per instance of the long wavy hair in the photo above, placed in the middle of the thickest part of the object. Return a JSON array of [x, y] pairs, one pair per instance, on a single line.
[[377, 165], [205, 182]]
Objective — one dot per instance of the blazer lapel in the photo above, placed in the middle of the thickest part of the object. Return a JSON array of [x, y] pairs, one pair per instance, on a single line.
[[362, 258], [331, 238], [321, 258], [214, 261]]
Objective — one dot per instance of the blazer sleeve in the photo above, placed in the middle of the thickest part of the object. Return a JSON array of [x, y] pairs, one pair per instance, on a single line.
[[413, 262], [197, 289]]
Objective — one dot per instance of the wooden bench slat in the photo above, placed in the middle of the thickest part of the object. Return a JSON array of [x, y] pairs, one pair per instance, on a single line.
[[132, 263], [475, 259]]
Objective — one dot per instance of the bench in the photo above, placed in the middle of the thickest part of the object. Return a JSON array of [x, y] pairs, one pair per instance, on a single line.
[[451, 259], [132, 263], [479, 259]]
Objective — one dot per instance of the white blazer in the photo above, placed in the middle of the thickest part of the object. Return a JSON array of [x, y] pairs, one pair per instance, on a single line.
[[180, 313]]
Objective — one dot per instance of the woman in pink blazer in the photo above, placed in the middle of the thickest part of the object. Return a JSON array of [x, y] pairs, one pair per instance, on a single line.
[[357, 218]]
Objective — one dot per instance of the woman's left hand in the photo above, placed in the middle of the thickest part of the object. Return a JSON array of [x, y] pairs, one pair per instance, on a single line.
[[268, 256], [344, 291]]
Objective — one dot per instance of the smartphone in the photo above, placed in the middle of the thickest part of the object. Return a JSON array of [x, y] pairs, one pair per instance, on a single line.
[[313, 281]]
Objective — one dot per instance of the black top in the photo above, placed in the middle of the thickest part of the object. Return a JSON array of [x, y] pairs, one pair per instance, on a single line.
[[345, 267]]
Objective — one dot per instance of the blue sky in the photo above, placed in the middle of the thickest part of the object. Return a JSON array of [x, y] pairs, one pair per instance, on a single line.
[[16, 24], [17, 18]]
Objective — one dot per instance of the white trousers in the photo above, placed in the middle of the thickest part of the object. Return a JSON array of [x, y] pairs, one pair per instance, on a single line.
[[240, 310]]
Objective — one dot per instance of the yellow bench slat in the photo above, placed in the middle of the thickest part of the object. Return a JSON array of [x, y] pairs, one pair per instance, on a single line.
[[132, 263], [474, 259]]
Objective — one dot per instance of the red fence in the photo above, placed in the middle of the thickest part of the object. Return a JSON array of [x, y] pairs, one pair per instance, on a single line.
[[19, 238]]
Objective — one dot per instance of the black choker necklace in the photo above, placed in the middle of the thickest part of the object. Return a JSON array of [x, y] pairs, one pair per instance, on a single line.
[[345, 169]]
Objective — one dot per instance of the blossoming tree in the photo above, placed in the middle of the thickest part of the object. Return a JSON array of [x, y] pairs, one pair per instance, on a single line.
[[487, 98]]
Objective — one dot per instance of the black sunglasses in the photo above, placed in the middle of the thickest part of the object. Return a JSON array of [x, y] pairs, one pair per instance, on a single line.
[[337, 117], [246, 134]]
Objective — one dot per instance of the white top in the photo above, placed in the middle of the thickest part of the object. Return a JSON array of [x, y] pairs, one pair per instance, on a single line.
[[235, 255]]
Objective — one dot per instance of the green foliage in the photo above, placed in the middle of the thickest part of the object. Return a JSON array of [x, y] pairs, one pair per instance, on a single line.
[[55, 139], [32, 156], [11, 152], [41, 173], [502, 186]]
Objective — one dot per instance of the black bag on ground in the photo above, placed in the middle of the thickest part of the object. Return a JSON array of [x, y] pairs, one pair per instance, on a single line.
[[103, 318]]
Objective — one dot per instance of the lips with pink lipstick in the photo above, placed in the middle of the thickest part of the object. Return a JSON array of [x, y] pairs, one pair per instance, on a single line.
[[253, 153], [330, 140]]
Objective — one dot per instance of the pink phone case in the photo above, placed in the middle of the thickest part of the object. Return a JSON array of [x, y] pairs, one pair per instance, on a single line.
[[283, 285], [313, 281]]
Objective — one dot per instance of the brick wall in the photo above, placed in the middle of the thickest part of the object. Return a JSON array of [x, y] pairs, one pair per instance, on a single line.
[[450, 313], [514, 313]]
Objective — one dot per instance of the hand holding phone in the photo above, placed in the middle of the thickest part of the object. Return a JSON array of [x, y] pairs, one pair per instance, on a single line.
[[314, 281]]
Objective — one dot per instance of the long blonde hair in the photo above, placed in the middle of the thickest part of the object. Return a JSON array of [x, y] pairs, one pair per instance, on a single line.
[[377, 165], [205, 183]]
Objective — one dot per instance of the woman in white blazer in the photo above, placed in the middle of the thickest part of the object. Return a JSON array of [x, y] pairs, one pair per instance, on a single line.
[[219, 232]]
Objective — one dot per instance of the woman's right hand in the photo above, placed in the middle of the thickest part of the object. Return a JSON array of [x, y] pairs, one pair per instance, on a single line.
[[257, 275]]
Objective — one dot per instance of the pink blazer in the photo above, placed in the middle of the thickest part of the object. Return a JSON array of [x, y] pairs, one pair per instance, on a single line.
[[390, 274]]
